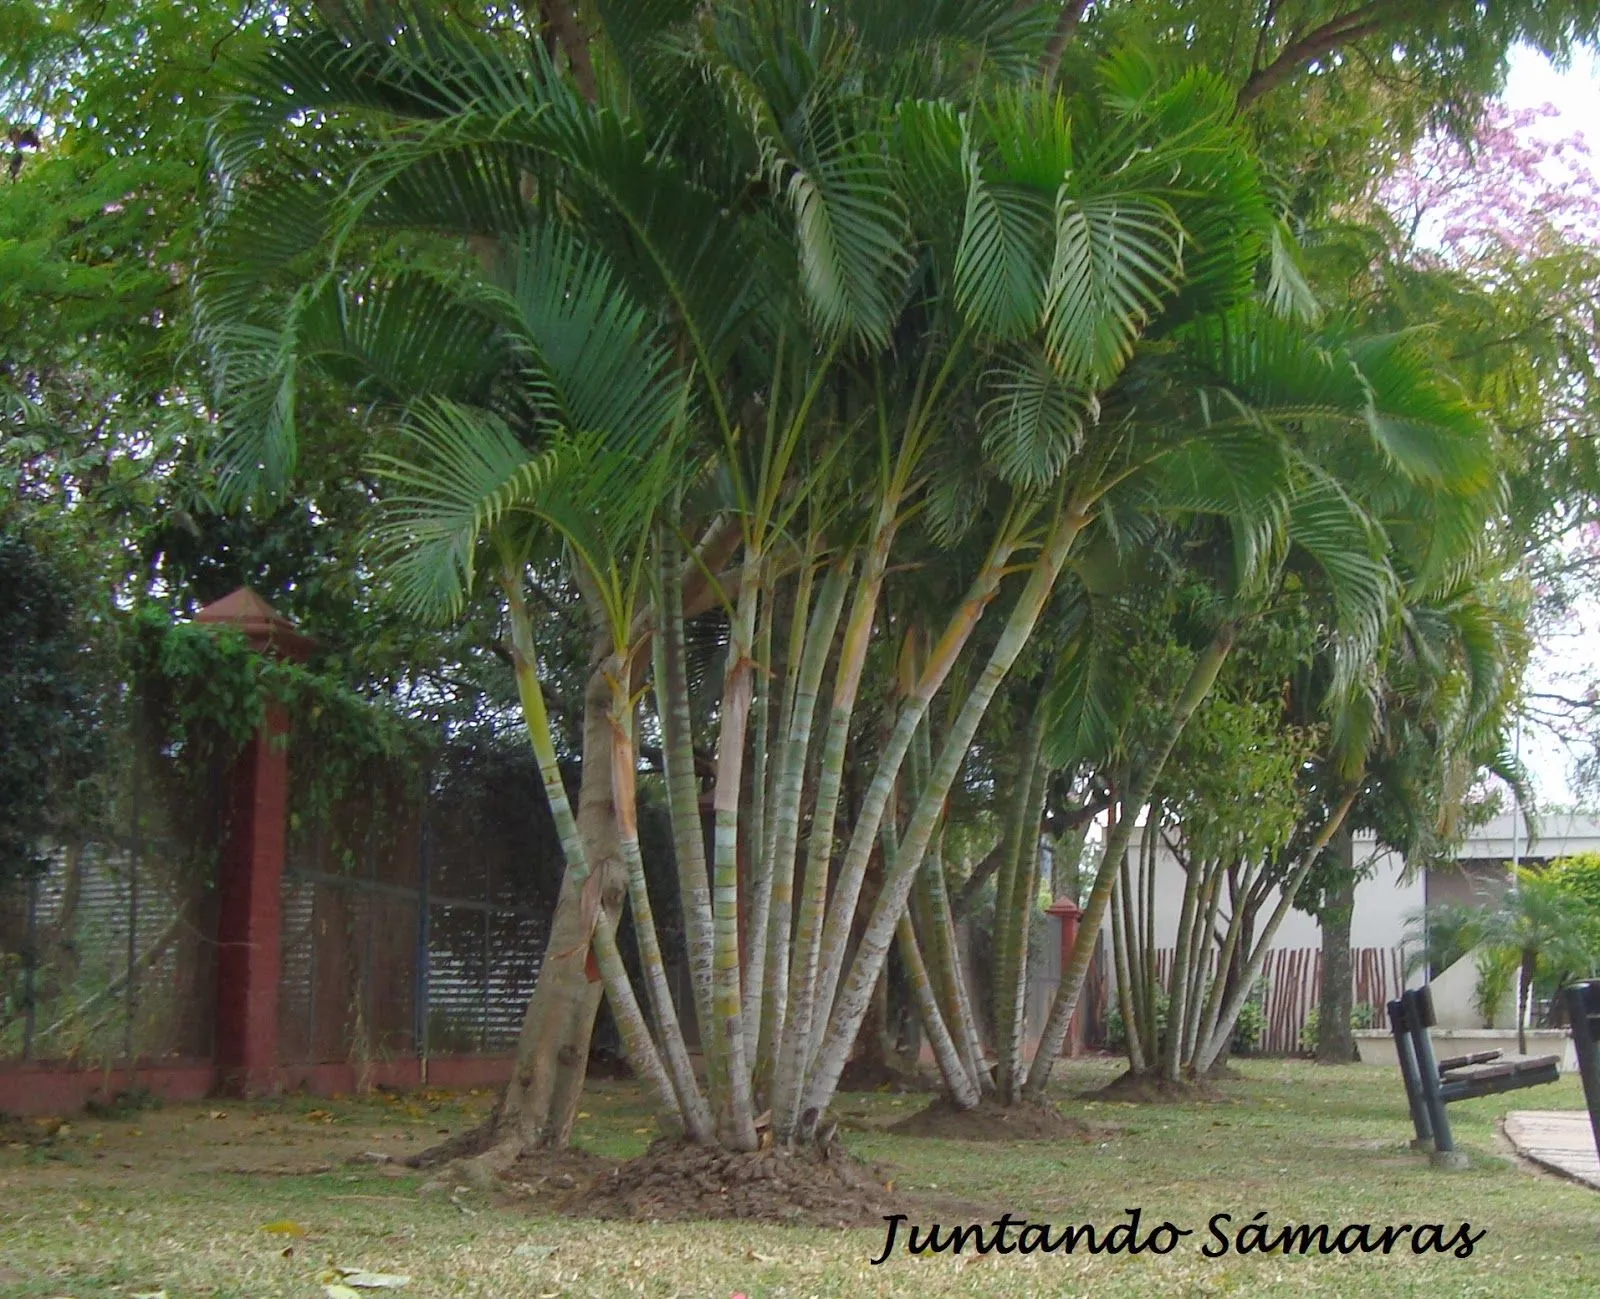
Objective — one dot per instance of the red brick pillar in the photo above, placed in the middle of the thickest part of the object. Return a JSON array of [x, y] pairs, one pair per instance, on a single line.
[[1070, 913], [249, 899]]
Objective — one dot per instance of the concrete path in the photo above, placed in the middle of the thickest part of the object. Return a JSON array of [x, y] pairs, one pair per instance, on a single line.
[[1560, 1140]]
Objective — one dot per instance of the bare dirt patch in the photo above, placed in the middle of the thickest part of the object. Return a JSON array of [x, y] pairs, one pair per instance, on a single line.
[[675, 1182], [992, 1121]]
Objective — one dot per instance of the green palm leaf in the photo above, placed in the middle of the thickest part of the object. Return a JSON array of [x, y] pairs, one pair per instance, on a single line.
[[1115, 257]]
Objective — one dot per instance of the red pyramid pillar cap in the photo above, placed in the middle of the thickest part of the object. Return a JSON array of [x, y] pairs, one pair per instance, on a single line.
[[267, 630]]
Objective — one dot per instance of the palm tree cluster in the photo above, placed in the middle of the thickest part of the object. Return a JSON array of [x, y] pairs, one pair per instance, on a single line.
[[836, 349]]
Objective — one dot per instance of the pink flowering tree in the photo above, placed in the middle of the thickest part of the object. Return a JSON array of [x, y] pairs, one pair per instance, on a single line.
[[1502, 235]]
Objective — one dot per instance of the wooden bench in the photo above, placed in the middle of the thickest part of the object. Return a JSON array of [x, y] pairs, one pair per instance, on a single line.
[[1431, 1084], [1583, 1013]]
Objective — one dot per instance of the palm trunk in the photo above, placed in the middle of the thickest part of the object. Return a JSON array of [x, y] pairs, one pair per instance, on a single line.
[[696, 1117], [933, 896], [683, 794], [950, 975], [1152, 979], [1201, 945], [795, 1048], [1226, 963], [1335, 1040], [1128, 891], [1201, 678], [874, 945], [811, 658], [910, 718], [1015, 892], [542, 1097], [1178, 985], [755, 972], [963, 1088], [1127, 1003], [1223, 1031], [959, 1078], [736, 1114], [1525, 974]]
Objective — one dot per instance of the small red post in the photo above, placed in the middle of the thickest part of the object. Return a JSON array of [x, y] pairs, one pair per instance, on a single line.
[[1069, 913], [249, 900]]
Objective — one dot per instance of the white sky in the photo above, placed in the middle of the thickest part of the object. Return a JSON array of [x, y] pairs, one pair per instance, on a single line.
[[1575, 93]]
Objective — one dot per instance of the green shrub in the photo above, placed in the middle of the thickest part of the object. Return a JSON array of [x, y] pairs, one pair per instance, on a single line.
[[1362, 1016]]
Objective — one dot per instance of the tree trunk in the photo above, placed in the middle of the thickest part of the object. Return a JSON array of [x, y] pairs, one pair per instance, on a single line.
[[875, 939], [1530, 965], [1201, 678], [1222, 1034], [1336, 1043]]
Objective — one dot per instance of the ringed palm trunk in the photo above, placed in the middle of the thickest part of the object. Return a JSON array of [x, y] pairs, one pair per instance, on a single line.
[[1227, 958], [697, 1118], [1201, 678], [910, 719], [541, 1100], [959, 1079], [683, 798], [856, 991], [761, 875], [933, 902], [1014, 895], [735, 1113], [1202, 944], [1526, 971], [812, 658], [795, 1047]]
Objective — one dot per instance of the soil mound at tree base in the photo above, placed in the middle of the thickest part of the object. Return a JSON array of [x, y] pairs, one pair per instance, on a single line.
[[559, 1179], [992, 1121], [1151, 1089], [678, 1181]]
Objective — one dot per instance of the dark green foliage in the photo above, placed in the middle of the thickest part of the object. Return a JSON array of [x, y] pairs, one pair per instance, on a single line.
[[48, 703]]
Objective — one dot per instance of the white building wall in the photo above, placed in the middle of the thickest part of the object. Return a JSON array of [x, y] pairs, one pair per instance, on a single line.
[[1384, 901]]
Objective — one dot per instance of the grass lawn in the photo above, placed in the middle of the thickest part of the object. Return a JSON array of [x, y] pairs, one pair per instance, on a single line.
[[180, 1199]]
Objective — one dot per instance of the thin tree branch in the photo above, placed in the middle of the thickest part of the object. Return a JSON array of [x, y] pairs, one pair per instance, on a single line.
[[1347, 29], [1066, 24]]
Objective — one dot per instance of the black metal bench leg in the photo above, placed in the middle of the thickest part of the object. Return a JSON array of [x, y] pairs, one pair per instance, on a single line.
[[1410, 1076], [1583, 1007], [1445, 1154]]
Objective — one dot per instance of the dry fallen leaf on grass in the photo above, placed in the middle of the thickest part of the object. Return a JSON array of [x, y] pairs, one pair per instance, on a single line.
[[361, 1279], [284, 1227], [533, 1251]]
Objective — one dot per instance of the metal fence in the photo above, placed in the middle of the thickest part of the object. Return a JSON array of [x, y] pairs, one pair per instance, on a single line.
[[413, 923], [115, 958]]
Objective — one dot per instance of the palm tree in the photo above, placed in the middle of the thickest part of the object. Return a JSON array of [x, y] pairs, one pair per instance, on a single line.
[[1543, 929], [724, 310]]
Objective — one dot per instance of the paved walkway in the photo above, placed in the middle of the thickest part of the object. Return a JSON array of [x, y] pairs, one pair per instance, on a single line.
[[1560, 1140]]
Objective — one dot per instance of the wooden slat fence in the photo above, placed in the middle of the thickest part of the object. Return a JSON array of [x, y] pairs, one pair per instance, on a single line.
[[1293, 977]]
